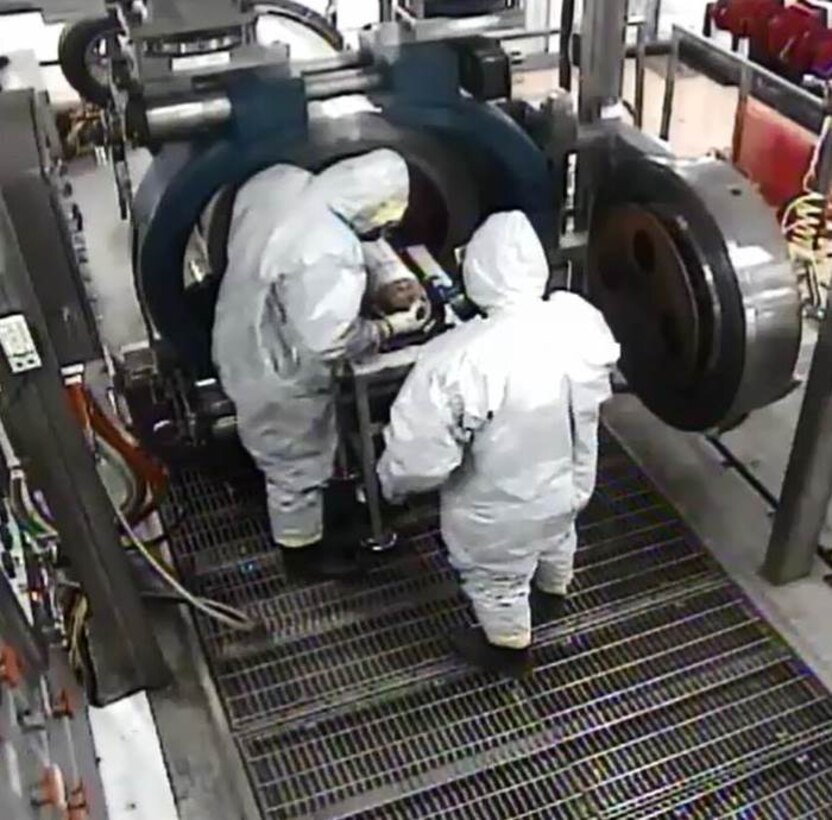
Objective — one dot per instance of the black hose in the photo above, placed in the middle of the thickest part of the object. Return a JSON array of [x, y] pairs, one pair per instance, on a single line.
[[567, 27]]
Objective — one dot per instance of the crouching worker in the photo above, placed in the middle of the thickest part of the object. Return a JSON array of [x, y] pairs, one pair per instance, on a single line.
[[502, 414]]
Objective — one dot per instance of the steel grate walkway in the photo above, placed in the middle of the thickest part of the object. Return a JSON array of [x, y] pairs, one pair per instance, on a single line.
[[662, 694]]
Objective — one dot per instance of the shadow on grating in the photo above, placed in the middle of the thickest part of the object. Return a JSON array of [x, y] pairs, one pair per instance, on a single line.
[[661, 693]]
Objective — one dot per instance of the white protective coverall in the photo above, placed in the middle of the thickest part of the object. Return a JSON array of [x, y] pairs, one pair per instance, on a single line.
[[503, 413], [288, 310]]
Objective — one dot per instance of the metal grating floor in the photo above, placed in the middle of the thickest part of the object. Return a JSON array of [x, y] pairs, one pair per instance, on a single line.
[[661, 694]]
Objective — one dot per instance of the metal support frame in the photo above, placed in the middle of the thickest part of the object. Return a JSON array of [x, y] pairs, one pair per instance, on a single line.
[[641, 73], [725, 66], [387, 10], [368, 458], [652, 18], [602, 56], [603, 51], [807, 487], [43, 430], [382, 369]]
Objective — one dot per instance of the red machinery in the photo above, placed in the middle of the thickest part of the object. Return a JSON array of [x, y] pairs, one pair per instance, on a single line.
[[743, 18], [792, 37], [793, 40]]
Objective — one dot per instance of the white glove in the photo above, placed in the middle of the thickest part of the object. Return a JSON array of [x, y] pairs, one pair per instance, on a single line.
[[406, 321]]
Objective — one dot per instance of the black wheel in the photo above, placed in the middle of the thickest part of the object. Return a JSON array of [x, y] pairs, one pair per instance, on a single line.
[[83, 58], [306, 17]]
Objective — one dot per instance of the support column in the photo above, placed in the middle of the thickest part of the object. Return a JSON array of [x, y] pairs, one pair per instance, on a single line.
[[807, 488]]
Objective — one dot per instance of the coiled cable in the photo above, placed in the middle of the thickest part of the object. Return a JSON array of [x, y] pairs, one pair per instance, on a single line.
[[807, 228]]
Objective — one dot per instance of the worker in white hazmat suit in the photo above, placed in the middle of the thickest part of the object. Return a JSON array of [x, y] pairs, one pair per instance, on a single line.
[[502, 413], [287, 313]]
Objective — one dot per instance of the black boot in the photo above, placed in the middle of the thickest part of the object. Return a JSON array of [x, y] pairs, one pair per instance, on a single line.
[[322, 561], [473, 647], [546, 607]]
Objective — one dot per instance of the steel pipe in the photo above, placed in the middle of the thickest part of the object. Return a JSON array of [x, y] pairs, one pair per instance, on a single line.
[[177, 120], [181, 119], [338, 83]]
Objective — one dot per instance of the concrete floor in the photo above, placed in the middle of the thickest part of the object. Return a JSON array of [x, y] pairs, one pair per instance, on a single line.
[[732, 519]]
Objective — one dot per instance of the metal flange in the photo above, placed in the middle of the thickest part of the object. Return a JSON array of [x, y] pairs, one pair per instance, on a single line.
[[690, 268]]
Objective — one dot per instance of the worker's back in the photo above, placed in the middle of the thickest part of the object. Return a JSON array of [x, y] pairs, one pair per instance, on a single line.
[[515, 374], [500, 394], [525, 358], [261, 206]]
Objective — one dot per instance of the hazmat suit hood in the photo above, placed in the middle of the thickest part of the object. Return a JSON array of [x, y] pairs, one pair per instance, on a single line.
[[368, 192], [505, 264]]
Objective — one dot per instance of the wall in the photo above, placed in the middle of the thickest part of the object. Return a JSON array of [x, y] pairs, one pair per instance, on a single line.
[[28, 32]]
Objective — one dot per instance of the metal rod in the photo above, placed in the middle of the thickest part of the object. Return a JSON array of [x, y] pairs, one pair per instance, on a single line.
[[337, 83], [401, 13], [567, 26], [180, 119], [387, 10], [602, 56], [521, 33], [652, 17], [708, 22], [670, 85], [368, 459], [746, 83], [346, 59], [724, 66], [547, 49], [807, 487], [641, 75]]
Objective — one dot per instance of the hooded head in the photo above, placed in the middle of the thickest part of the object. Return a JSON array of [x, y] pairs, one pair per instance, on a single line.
[[505, 264], [369, 191]]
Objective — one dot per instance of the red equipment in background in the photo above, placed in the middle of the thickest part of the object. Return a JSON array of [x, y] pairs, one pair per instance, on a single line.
[[744, 17], [792, 40], [773, 152]]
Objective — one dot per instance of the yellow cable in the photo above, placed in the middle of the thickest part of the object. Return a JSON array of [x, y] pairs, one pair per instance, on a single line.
[[806, 225]]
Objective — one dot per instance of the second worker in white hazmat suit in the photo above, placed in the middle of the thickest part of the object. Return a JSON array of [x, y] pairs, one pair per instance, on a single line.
[[502, 414], [287, 314]]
